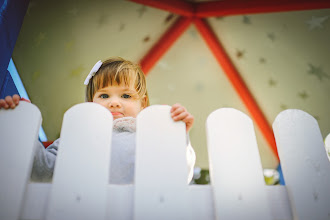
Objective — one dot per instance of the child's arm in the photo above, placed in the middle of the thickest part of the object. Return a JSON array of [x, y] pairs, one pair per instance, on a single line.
[[180, 113], [9, 102]]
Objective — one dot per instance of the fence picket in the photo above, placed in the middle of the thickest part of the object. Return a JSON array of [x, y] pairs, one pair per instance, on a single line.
[[327, 145], [18, 134], [306, 168], [235, 167], [161, 169], [81, 175]]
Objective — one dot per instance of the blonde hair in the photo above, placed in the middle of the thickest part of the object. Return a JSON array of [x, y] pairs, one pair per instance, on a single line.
[[118, 71]]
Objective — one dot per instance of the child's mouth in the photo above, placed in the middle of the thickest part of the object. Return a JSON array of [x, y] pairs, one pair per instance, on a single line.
[[116, 113]]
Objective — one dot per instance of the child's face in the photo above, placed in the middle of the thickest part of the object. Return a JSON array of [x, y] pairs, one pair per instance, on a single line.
[[120, 100]]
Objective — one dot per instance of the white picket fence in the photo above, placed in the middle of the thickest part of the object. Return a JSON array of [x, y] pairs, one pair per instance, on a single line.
[[80, 188]]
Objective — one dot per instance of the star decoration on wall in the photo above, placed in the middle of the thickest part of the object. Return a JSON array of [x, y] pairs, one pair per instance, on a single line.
[[316, 22], [35, 75], [318, 72], [240, 53], [103, 19], [77, 71], [146, 39], [303, 95], [69, 45], [246, 20], [142, 10], [283, 106], [262, 60], [272, 83], [271, 36], [121, 27], [41, 36], [168, 18]]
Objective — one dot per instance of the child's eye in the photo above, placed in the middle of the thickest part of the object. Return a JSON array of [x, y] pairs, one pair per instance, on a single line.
[[104, 96], [126, 96]]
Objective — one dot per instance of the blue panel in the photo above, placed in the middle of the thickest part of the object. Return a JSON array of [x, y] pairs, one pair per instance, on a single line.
[[279, 169]]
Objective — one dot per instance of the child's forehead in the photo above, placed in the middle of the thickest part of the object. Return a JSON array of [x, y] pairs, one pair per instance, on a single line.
[[118, 87]]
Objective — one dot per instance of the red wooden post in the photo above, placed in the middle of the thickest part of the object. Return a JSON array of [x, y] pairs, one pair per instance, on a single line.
[[236, 81]]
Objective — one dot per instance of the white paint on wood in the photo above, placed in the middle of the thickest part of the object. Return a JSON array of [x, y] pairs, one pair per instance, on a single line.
[[327, 145], [81, 172], [161, 166], [18, 135], [36, 200], [235, 167], [120, 202], [305, 166]]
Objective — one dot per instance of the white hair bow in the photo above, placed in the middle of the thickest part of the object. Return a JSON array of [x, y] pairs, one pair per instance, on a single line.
[[95, 68]]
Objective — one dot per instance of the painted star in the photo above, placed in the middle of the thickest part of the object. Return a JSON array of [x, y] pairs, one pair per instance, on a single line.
[[303, 95], [146, 39], [40, 38], [77, 71], [262, 60], [246, 20], [240, 53], [272, 83], [142, 10], [121, 27], [318, 72], [168, 18], [271, 36], [316, 22], [69, 45], [283, 106]]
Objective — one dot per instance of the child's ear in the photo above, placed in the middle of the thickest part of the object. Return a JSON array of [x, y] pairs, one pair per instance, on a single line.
[[144, 102]]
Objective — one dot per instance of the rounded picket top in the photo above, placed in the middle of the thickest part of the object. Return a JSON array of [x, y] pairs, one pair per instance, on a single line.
[[87, 107], [227, 114], [22, 112], [158, 109], [293, 115]]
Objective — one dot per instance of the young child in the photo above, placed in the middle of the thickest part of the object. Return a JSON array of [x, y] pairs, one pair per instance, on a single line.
[[120, 86]]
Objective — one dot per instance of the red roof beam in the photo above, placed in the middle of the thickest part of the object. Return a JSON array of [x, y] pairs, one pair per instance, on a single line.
[[237, 82], [179, 7], [239, 7], [164, 43]]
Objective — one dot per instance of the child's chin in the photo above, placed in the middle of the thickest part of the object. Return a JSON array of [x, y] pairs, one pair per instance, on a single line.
[[117, 116]]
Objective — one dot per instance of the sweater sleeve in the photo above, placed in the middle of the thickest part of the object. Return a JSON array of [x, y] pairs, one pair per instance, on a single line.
[[44, 162], [191, 159]]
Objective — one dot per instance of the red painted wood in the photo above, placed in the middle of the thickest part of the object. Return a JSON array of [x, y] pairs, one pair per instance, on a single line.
[[47, 143], [239, 7], [175, 6], [164, 43], [236, 81]]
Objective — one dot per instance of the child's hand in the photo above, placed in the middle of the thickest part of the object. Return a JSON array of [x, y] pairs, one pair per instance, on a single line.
[[180, 113], [9, 102]]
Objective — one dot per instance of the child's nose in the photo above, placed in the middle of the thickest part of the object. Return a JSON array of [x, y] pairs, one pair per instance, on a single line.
[[114, 103]]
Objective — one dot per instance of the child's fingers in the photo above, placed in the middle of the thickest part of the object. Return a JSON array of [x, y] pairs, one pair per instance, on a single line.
[[3, 104], [9, 101], [180, 116], [16, 99], [175, 107]]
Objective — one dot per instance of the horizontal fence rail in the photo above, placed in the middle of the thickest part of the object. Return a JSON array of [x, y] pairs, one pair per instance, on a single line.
[[80, 187]]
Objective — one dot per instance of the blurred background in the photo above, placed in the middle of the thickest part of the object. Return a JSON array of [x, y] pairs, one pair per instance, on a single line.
[[283, 58]]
